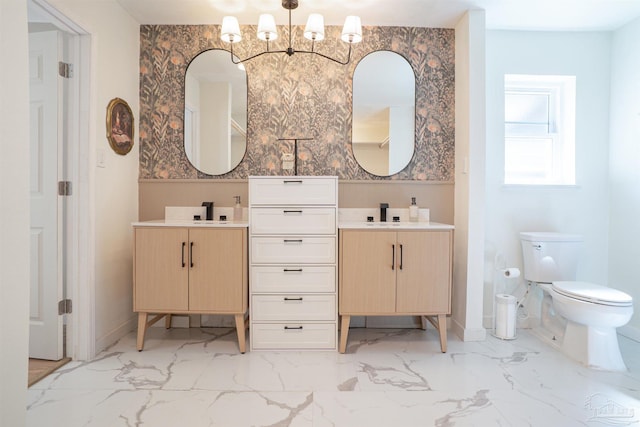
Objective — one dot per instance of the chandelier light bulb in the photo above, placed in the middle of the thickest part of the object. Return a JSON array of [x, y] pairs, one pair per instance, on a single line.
[[267, 28], [315, 27], [352, 30], [230, 30]]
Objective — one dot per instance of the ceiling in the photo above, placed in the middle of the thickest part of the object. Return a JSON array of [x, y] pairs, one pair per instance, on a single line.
[[549, 15]]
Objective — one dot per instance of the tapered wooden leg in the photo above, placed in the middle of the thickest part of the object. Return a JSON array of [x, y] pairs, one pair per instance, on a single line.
[[344, 332], [142, 328], [442, 330], [240, 329], [167, 321], [423, 322]]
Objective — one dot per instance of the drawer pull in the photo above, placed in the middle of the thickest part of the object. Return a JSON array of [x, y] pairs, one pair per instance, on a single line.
[[295, 328], [292, 212], [293, 270], [293, 181], [293, 240], [293, 299]]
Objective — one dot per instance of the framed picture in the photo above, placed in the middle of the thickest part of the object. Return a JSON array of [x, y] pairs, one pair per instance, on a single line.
[[120, 126]]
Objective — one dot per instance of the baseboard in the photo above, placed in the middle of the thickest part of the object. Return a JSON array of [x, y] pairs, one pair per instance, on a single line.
[[630, 332], [468, 334], [113, 336]]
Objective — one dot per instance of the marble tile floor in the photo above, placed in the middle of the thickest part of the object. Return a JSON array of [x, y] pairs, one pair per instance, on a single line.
[[388, 378]]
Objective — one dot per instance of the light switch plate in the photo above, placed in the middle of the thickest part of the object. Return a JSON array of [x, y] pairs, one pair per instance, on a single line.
[[101, 161]]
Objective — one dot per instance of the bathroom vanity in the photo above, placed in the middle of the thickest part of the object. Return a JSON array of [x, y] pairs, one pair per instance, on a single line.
[[190, 267], [395, 269]]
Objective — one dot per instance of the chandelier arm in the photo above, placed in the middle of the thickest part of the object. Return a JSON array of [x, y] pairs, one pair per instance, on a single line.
[[254, 56], [290, 50], [328, 57]]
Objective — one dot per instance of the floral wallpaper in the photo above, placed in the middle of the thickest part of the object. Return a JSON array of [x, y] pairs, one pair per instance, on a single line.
[[303, 96]]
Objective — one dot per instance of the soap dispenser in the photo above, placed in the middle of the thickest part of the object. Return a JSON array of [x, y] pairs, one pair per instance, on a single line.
[[237, 210], [413, 210]]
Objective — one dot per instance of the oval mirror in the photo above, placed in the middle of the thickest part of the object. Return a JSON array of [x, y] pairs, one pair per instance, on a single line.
[[215, 112], [384, 98]]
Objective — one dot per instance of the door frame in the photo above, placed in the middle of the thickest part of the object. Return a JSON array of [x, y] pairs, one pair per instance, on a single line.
[[78, 227]]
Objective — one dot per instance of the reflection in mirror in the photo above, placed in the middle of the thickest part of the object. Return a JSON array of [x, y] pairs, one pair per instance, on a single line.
[[215, 112], [384, 87]]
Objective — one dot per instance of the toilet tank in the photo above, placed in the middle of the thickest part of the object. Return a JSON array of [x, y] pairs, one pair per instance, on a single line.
[[550, 256]]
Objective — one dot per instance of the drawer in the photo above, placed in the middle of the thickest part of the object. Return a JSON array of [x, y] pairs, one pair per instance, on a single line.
[[296, 220], [293, 250], [296, 278], [293, 307], [293, 191], [291, 336]]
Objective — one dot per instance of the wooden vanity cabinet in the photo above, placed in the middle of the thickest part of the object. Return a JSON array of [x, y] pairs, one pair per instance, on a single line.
[[183, 270], [385, 272]]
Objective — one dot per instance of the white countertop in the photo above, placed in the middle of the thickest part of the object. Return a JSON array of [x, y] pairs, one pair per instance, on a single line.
[[192, 223], [403, 225]]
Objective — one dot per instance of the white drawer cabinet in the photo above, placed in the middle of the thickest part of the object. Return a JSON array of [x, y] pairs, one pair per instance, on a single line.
[[293, 278], [293, 191], [293, 258], [294, 307], [293, 249], [301, 336], [288, 220]]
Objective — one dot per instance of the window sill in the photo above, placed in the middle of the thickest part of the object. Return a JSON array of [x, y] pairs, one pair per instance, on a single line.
[[540, 186]]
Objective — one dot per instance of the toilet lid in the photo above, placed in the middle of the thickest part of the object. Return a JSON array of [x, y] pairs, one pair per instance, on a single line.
[[593, 293]]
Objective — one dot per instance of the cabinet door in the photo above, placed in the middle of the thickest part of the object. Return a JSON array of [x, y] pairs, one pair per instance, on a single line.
[[217, 279], [161, 278], [367, 278], [424, 272]]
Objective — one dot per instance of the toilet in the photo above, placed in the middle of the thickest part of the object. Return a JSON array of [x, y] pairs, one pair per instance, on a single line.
[[591, 312]]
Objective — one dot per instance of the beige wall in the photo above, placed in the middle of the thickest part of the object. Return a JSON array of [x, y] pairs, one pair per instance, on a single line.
[[156, 194]]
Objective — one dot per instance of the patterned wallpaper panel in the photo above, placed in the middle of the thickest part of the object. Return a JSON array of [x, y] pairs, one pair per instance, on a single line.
[[298, 96]]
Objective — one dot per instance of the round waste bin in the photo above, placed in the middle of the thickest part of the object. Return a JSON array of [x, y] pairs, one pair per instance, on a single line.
[[505, 320]]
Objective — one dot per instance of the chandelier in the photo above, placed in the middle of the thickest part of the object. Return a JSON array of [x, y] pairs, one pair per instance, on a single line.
[[314, 31]]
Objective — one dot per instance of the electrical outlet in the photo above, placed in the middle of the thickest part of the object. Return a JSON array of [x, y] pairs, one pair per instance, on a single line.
[[287, 161]]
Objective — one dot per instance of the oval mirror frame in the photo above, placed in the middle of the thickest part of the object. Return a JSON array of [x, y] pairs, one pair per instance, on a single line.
[[215, 112], [384, 113]]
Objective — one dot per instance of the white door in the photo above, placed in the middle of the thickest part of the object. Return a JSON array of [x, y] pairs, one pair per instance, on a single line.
[[45, 331]]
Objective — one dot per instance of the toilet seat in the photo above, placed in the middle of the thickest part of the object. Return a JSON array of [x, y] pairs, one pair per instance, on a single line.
[[592, 293]]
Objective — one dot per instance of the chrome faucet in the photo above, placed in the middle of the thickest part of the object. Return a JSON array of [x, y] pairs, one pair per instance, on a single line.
[[383, 211]]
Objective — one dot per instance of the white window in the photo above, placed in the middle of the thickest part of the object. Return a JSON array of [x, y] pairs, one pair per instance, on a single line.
[[539, 129]]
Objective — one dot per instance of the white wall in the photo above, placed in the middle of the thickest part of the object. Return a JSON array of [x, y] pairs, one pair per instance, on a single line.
[[469, 177], [580, 209], [14, 208], [624, 167], [115, 50]]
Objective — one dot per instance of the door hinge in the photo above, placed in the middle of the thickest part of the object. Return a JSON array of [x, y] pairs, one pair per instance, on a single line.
[[64, 188], [65, 69], [64, 306]]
